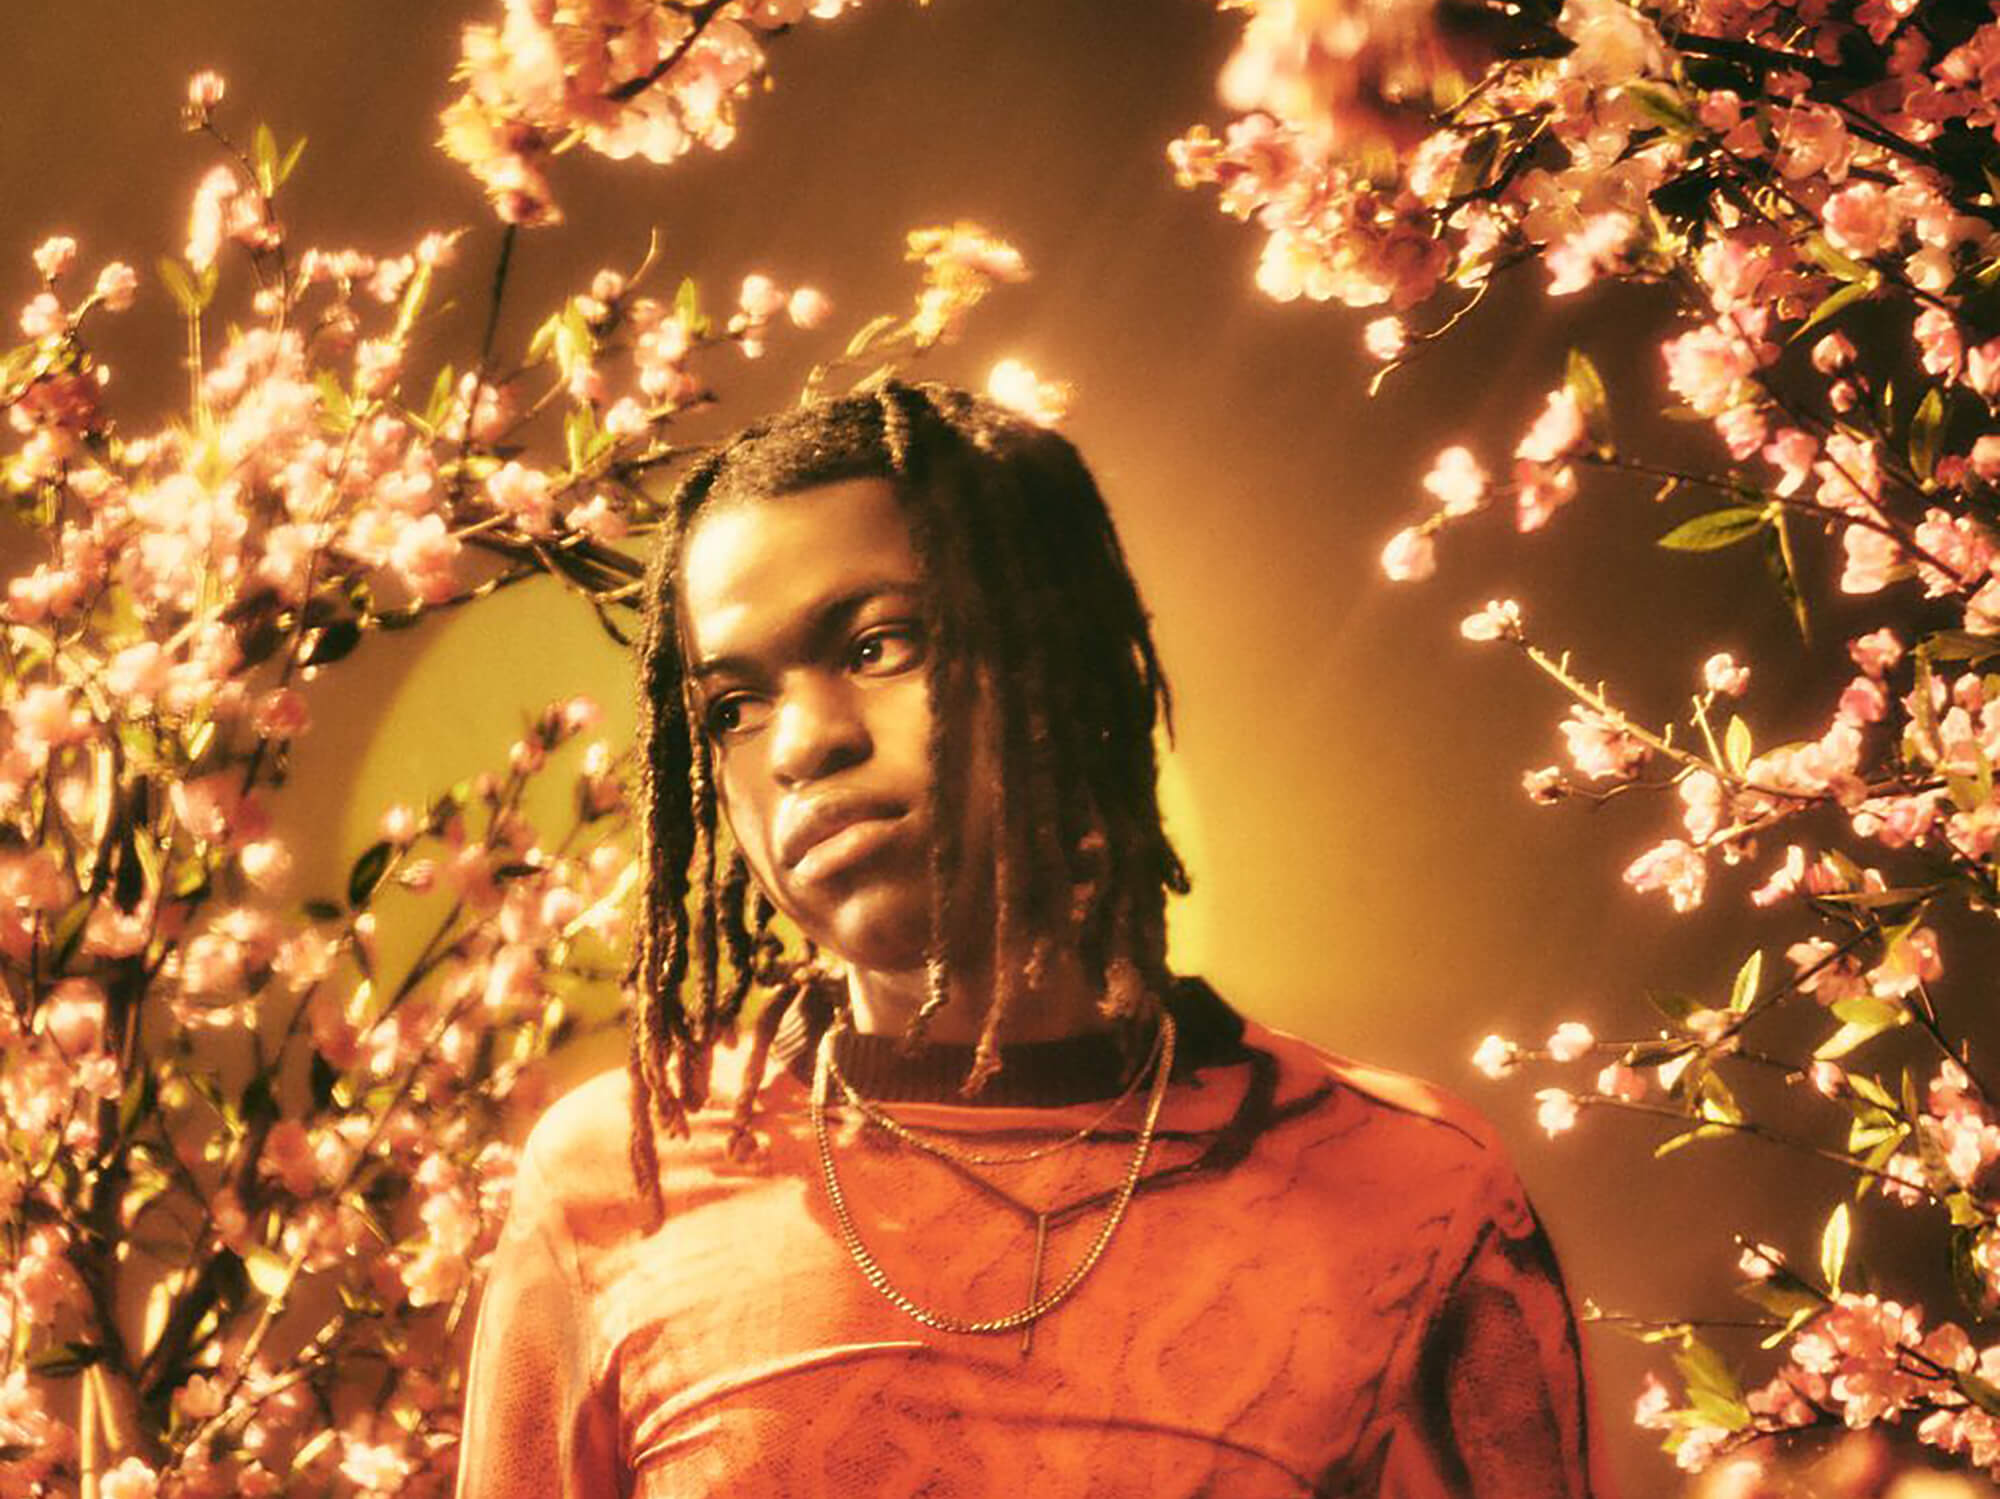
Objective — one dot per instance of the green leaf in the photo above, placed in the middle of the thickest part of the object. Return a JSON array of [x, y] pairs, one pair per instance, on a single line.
[[413, 301], [1961, 645], [367, 872], [1784, 570], [137, 1100], [687, 307], [175, 277], [1586, 387], [1979, 1392], [1864, 1017], [1833, 1243], [1836, 301], [1717, 529], [65, 1359], [1744, 991], [333, 643], [1737, 747], [1711, 1386], [289, 162], [1663, 107], [1926, 428], [264, 158], [1823, 254], [1675, 1007]]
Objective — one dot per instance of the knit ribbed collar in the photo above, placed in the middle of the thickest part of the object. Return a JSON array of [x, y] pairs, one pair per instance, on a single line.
[[1033, 1074]]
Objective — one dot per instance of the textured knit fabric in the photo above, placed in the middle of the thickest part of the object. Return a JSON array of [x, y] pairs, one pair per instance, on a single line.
[[1355, 1301]]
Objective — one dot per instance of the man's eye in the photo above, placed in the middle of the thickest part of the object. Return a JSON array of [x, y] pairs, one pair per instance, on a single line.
[[732, 715], [886, 650]]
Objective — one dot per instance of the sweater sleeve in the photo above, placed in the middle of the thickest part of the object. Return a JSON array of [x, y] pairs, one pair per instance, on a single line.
[[1502, 1370], [537, 1425]]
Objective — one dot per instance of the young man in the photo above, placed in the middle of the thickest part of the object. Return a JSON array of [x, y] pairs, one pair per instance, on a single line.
[[990, 1202]]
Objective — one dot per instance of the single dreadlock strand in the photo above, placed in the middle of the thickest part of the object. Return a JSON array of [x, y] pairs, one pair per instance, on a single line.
[[943, 677], [733, 899], [761, 1038]]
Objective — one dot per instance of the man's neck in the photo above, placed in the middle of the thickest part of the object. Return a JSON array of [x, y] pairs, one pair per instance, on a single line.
[[1063, 1004]]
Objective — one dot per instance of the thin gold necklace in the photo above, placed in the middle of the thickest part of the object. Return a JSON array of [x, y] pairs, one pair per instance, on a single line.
[[1038, 1305], [880, 1117]]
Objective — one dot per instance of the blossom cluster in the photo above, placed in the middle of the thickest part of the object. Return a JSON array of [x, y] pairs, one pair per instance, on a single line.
[[622, 77], [253, 1166], [1810, 188]]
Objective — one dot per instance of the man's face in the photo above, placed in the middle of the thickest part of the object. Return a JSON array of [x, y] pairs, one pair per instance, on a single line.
[[802, 624]]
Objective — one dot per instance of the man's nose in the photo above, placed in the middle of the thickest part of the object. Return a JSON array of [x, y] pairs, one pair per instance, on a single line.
[[818, 730]]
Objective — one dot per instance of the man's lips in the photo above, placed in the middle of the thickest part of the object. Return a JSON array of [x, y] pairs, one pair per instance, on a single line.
[[823, 830]]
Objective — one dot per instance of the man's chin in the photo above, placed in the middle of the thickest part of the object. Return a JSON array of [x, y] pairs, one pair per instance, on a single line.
[[882, 935]]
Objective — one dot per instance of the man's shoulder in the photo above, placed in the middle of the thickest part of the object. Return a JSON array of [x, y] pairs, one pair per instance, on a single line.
[[1386, 1097], [1418, 1141]]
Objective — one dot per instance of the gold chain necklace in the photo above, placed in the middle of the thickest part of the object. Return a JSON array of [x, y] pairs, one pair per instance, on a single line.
[[1038, 1306], [882, 1119]]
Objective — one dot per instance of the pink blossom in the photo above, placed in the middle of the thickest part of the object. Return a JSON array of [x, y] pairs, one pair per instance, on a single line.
[[1720, 673], [1792, 453], [1572, 1040], [1985, 457], [1861, 219], [1540, 491], [1742, 430], [1499, 620], [1410, 556], [1876, 652], [1496, 1057], [1555, 1110], [117, 286], [54, 256], [1828, 1079], [1595, 249], [265, 863], [1384, 338], [1982, 368], [1602, 748], [43, 317], [1912, 960], [73, 1016], [1704, 804], [131, 1479], [1017, 387], [1872, 560], [1706, 365], [808, 307], [425, 556], [1864, 701], [1654, 1406], [760, 298], [1938, 342], [281, 714], [206, 89], [1624, 1083], [1674, 867], [1457, 481], [1558, 433], [45, 719]]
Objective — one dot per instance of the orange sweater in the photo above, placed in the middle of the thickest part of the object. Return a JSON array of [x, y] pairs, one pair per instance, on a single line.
[[1330, 1284]]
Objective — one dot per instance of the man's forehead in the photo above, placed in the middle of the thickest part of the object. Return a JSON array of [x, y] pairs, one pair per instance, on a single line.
[[757, 568]]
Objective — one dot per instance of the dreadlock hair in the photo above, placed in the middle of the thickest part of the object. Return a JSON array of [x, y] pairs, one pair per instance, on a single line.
[[1029, 606]]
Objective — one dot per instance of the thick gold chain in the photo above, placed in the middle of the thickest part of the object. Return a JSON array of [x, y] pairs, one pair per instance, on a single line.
[[1038, 1308], [882, 1119]]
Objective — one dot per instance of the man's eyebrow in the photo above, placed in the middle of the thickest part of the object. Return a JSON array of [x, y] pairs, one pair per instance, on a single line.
[[831, 617]]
